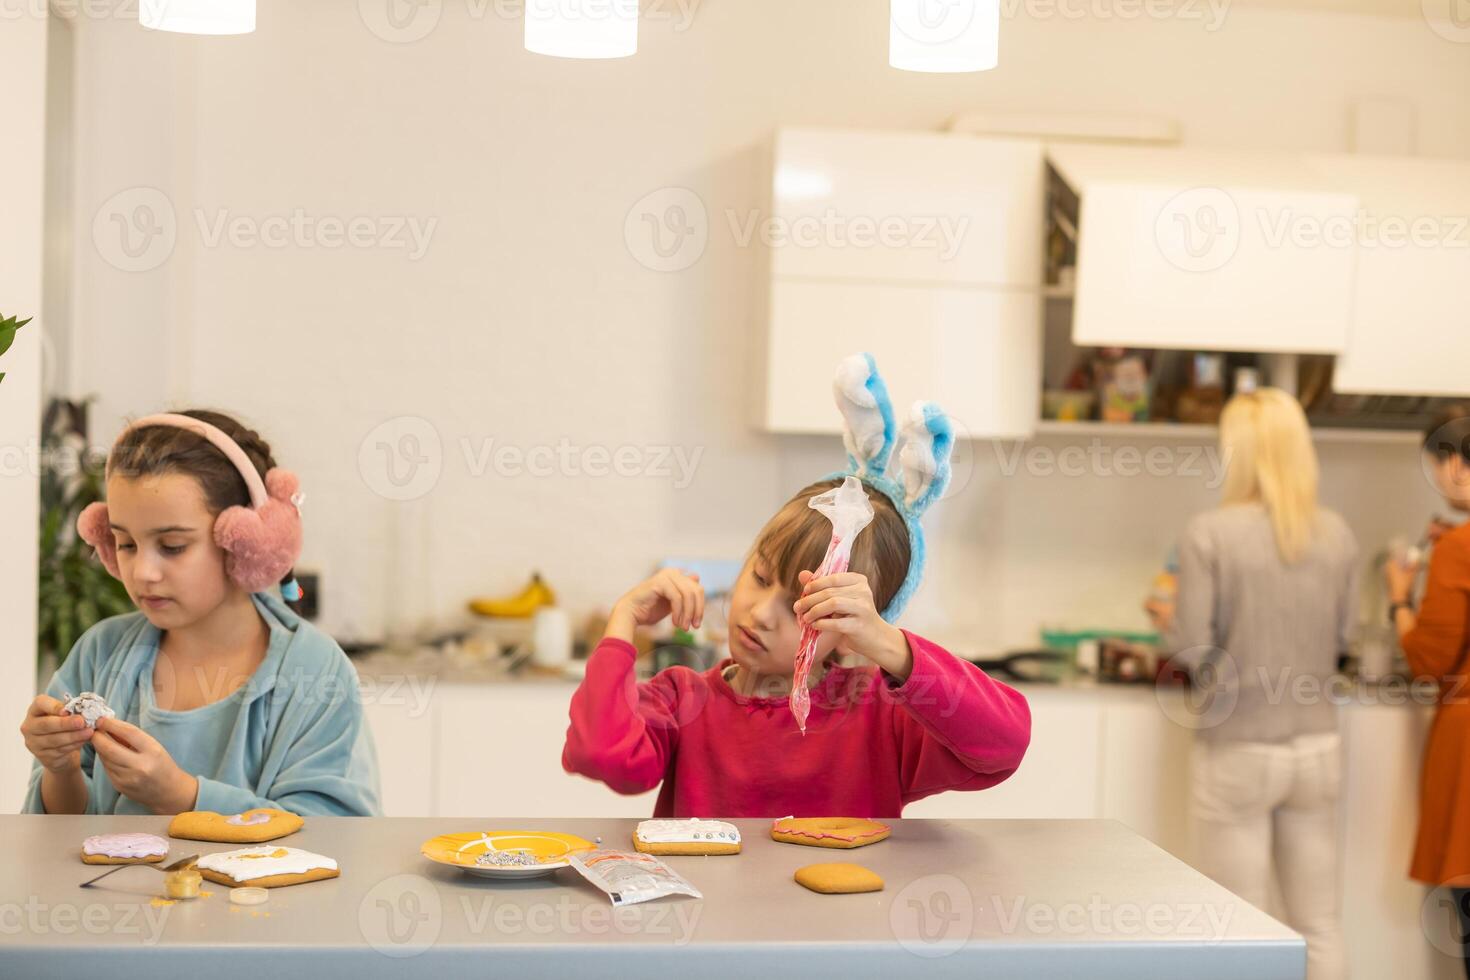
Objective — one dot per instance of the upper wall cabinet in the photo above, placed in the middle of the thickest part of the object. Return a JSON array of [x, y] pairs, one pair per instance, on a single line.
[[1410, 330], [1184, 249], [907, 207], [923, 249]]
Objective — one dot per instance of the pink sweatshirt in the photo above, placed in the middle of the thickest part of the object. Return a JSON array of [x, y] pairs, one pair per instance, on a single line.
[[870, 748]]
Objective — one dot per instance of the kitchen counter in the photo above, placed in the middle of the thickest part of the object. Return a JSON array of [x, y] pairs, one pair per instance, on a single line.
[[994, 898]]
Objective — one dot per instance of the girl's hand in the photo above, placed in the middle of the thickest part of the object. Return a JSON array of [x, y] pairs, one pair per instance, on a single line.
[[668, 593], [141, 768], [1400, 580], [54, 738], [842, 605]]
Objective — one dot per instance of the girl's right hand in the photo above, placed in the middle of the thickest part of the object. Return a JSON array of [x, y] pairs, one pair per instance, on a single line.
[[670, 592], [54, 738]]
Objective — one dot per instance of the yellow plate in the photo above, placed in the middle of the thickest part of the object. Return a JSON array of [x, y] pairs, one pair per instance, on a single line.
[[463, 850]]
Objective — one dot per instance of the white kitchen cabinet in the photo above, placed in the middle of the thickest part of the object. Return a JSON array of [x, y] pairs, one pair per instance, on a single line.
[[403, 732], [1410, 330], [907, 207], [922, 249], [1189, 250], [1059, 778], [499, 754], [1144, 762], [975, 352]]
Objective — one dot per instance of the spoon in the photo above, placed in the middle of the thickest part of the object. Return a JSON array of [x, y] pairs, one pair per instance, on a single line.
[[176, 866]]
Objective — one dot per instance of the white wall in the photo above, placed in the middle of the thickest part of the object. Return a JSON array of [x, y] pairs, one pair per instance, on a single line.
[[22, 179], [529, 321]]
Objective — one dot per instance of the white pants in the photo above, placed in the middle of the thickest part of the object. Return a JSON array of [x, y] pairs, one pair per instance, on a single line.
[[1263, 807]]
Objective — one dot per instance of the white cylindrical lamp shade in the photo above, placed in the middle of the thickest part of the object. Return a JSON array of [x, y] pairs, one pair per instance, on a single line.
[[582, 28], [944, 35], [198, 16]]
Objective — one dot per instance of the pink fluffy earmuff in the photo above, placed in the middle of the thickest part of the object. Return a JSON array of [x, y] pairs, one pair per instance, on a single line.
[[261, 542]]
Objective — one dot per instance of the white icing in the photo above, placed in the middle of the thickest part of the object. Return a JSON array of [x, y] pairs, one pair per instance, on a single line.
[[125, 845], [240, 820], [250, 863], [90, 706], [694, 831]]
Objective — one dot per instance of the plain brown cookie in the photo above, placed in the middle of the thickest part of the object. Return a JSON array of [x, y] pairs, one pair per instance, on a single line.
[[104, 859], [838, 879], [841, 832], [274, 881], [207, 825]]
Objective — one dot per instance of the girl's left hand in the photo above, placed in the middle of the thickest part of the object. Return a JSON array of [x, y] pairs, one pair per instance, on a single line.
[[141, 768], [842, 605]]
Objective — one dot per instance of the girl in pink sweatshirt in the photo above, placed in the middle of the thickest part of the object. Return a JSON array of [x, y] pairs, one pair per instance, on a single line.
[[894, 718]]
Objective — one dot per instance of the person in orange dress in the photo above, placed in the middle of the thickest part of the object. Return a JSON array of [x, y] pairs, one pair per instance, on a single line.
[[1436, 642]]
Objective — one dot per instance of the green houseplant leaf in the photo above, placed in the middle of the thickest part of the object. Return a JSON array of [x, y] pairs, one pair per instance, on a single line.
[[8, 326]]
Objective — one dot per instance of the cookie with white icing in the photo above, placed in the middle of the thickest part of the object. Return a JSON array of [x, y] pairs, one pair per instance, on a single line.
[[266, 867], [124, 849], [251, 827], [90, 705], [692, 836]]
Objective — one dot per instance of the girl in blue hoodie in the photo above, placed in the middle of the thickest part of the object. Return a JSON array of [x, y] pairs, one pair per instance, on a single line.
[[218, 696]]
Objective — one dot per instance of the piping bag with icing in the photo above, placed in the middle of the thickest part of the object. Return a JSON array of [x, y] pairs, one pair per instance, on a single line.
[[848, 509]]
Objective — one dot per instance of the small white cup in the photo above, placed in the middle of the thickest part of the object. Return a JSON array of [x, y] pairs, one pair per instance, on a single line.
[[551, 637]]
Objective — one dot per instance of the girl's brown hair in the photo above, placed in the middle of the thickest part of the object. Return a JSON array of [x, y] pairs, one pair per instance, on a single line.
[[155, 450], [796, 540]]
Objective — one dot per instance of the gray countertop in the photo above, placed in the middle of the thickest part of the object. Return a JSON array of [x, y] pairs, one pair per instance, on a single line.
[[992, 898]]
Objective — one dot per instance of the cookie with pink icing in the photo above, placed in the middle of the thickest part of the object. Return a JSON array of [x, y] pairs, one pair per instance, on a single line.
[[266, 867], [124, 849], [250, 827]]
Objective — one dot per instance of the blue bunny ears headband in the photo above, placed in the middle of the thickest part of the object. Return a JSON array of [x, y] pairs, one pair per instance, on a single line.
[[870, 433]]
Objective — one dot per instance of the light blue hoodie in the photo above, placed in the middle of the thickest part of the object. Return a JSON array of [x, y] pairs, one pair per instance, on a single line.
[[292, 737]]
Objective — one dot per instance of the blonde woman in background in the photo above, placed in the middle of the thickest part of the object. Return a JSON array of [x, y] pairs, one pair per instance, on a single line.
[[1267, 600]]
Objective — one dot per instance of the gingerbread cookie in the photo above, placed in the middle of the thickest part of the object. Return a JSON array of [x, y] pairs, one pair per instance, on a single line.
[[250, 827], [838, 879], [687, 837], [829, 831], [124, 849], [90, 705], [266, 867]]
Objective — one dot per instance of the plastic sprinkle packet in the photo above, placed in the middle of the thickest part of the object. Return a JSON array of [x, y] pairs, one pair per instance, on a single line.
[[630, 877], [849, 510]]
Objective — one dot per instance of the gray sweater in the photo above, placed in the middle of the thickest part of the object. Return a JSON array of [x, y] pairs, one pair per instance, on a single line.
[[1261, 637]]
